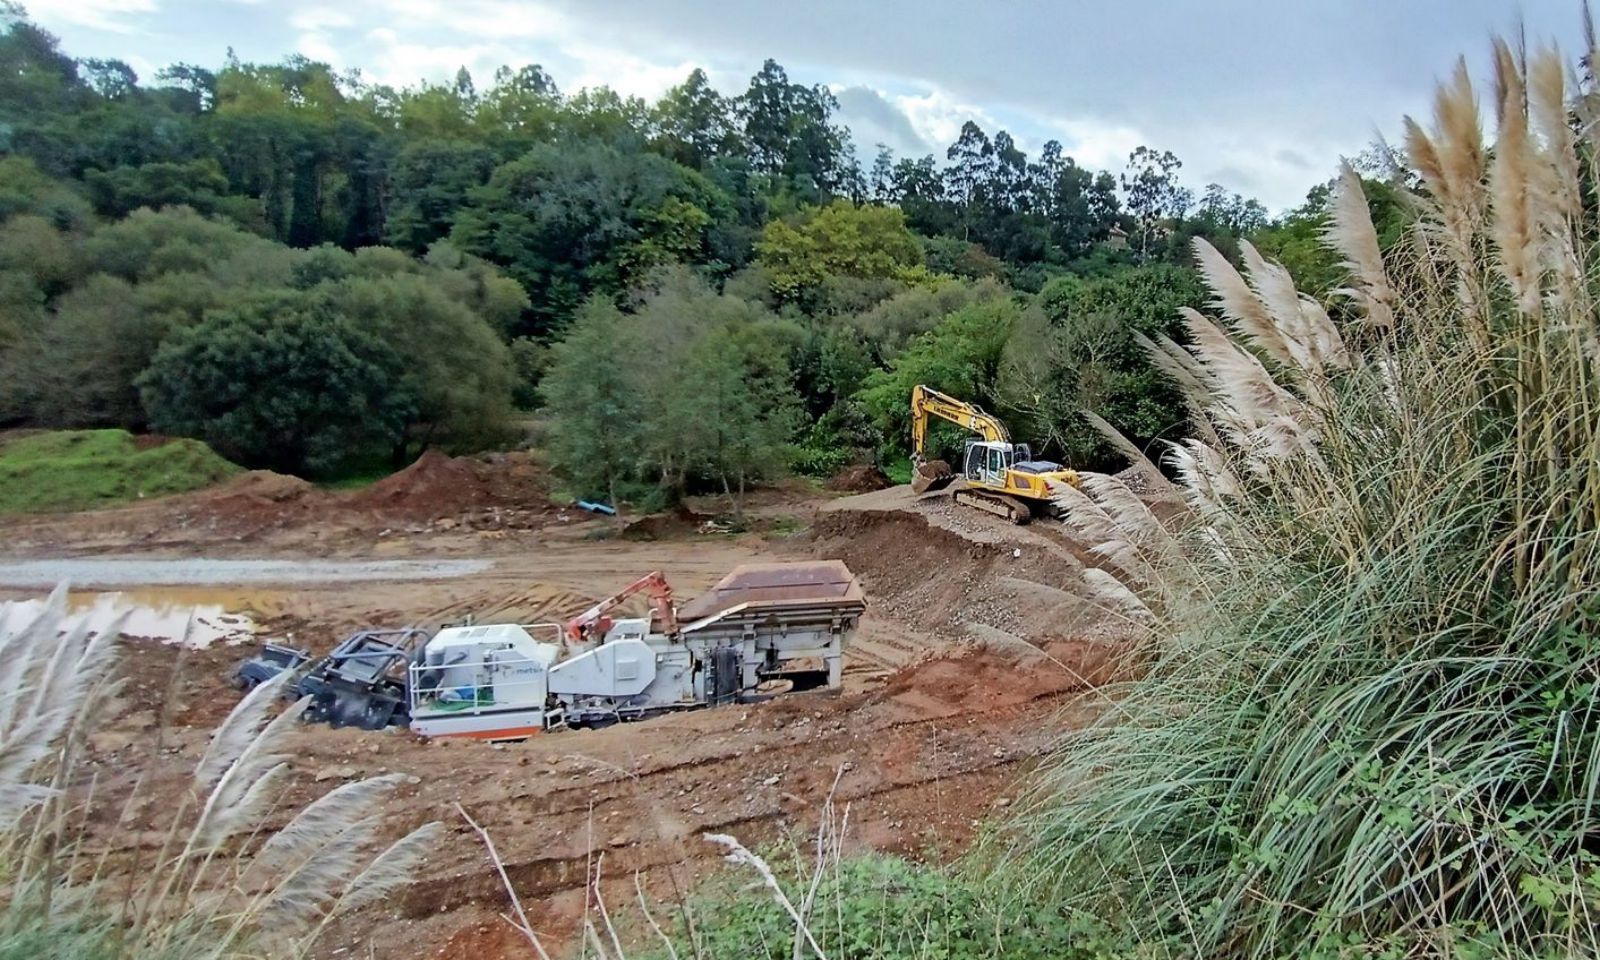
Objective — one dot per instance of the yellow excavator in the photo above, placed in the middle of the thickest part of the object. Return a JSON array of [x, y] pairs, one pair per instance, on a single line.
[[996, 475]]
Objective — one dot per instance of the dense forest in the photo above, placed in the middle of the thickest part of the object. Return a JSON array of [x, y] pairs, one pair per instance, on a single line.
[[313, 273]]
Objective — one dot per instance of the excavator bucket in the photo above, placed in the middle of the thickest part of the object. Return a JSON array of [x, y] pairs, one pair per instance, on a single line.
[[930, 476]]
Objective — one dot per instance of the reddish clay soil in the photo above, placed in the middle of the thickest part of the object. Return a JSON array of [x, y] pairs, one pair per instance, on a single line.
[[680, 521], [974, 655], [499, 494], [861, 478]]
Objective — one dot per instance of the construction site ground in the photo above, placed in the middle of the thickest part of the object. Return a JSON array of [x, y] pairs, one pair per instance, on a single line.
[[975, 654]]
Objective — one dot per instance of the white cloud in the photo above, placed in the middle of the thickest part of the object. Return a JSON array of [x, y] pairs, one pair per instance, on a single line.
[[874, 120], [404, 64], [109, 15], [431, 39], [937, 117], [319, 46], [316, 25], [624, 72], [1093, 142], [319, 19], [1260, 163], [142, 66], [499, 19], [1254, 162]]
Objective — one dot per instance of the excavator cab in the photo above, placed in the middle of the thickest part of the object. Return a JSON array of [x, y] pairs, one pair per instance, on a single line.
[[982, 462], [988, 462]]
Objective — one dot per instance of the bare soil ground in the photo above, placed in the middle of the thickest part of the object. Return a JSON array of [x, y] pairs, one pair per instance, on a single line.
[[974, 655]]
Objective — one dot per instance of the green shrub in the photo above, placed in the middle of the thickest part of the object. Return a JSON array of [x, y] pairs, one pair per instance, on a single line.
[[897, 469], [691, 390], [285, 381], [841, 437], [961, 356], [875, 907], [823, 461], [1081, 350]]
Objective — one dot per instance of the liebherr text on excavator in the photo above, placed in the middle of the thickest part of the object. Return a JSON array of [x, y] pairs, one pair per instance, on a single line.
[[996, 475]]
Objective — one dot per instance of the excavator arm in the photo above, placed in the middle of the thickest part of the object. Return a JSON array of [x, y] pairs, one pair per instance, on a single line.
[[927, 402]]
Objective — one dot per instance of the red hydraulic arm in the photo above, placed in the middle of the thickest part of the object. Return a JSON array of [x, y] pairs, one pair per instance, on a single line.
[[593, 623]]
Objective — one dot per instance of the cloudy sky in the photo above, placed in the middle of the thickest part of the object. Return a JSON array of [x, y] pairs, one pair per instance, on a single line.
[[1261, 95]]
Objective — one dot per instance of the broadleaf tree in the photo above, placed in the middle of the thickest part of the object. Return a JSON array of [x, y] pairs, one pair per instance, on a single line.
[[281, 382], [593, 399]]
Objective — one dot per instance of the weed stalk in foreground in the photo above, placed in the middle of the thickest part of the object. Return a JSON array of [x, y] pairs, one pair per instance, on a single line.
[[217, 887], [1367, 725]]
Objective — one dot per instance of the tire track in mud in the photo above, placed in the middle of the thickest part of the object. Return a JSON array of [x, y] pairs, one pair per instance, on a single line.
[[636, 786], [815, 744], [968, 764], [548, 876]]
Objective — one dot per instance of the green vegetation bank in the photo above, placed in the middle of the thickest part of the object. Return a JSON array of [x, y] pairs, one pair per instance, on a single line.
[[311, 272]]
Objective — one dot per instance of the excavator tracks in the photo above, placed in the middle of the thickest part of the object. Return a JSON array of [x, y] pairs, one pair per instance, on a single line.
[[999, 504]]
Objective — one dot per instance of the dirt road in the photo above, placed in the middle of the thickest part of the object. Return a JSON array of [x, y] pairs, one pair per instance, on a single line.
[[973, 654], [144, 571]]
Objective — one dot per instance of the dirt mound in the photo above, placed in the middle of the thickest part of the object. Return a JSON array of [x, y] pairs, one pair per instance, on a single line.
[[979, 678], [495, 493], [253, 501], [954, 586], [264, 485], [1094, 663], [149, 441], [514, 479], [438, 486], [920, 573], [435, 485], [862, 478], [679, 521]]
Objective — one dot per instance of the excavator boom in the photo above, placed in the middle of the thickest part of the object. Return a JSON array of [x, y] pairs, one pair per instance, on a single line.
[[927, 402]]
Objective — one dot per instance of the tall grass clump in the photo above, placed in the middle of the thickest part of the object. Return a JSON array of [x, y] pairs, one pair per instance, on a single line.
[[1365, 722], [215, 883]]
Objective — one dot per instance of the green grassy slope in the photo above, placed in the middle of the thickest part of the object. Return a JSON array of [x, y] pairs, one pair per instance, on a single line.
[[83, 469]]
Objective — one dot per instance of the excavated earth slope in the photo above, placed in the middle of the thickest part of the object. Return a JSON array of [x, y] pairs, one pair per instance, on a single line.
[[974, 655]]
